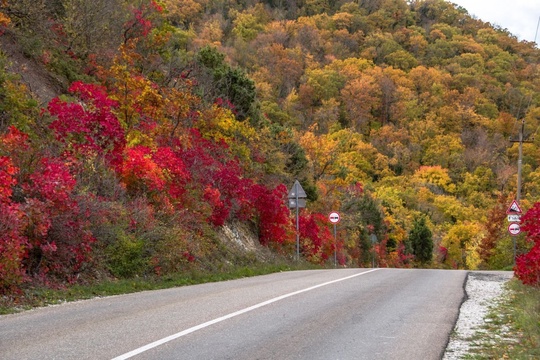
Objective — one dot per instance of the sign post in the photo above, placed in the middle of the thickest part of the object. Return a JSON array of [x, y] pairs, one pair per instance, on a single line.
[[297, 199], [373, 239], [514, 229], [514, 215], [334, 219]]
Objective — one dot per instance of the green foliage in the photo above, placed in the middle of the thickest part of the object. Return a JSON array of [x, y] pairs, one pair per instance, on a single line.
[[421, 240], [17, 108], [126, 257], [229, 83]]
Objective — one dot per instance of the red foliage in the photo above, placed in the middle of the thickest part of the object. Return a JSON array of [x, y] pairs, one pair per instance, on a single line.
[[7, 171], [88, 126], [43, 234], [527, 267], [52, 183], [140, 25], [317, 238], [235, 189], [220, 177], [12, 244], [273, 214], [226, 104], [220, 213], [16, 144], [57, 233], [177, 175], [140, 173]]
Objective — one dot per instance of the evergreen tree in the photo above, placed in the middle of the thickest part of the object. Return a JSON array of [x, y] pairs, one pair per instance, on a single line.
[[420, 238]]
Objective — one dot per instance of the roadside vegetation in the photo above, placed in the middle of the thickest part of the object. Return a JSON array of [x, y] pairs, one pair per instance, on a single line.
[[45, 296], [512, 329]]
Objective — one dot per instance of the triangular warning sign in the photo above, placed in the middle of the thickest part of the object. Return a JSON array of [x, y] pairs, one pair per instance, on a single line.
[[514, 208], [297, 191]]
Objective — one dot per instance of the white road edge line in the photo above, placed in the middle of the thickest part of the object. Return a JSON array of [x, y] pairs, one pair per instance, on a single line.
[[228, 316]]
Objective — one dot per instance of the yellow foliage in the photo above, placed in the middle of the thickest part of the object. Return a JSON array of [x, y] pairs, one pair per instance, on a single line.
[[463, 245], [435, 175], [4, 19], [136, 95], [453, 209], [352, 68], [220, 124], [181, 11]]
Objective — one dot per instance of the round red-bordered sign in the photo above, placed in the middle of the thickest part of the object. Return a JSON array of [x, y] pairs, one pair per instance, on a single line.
[[514, 229], [334, 217]]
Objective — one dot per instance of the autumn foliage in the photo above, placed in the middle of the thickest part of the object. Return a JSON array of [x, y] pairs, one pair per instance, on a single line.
[[180, 120], [527, 267]]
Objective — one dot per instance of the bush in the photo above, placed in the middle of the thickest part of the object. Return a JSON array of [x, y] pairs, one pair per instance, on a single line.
[[527, 267], [126, 257]]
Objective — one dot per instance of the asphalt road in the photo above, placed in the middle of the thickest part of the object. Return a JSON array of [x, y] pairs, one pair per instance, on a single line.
[[322, 314]]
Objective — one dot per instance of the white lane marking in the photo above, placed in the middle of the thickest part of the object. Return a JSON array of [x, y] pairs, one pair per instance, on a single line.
[[228, 316]]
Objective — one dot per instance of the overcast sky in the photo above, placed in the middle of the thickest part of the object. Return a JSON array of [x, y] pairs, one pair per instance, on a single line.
[[520, 17]]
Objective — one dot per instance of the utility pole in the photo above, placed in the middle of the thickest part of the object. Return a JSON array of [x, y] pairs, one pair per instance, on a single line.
[[520, 140], [520, 159]]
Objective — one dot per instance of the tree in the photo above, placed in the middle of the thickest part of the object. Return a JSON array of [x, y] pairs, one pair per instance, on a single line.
[[462, 243], [360, 97], [92, 27], [421, 239], [218, 80]]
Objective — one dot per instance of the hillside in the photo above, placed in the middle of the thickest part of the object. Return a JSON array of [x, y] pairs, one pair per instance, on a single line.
[[136, 133]]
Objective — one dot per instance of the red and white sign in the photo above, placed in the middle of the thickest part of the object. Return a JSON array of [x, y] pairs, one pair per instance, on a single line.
[[514, 229], [334, 217], [514, 208]]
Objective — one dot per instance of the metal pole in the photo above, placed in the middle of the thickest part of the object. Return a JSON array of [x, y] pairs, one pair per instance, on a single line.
[[335, 246], [297, 227], [519, 180]]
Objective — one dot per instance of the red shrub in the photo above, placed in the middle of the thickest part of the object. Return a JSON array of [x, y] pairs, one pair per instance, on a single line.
[[317, 239], [89, 125], [176, 173], [57, 232], [220, 212], [12, 243], [273, 214], [140, 173], [527, 267]]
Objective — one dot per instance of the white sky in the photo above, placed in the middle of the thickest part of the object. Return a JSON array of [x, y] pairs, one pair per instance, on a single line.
[[519, 17]]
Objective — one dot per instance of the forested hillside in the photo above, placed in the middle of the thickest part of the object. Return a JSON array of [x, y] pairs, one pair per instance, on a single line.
[[170, 119]]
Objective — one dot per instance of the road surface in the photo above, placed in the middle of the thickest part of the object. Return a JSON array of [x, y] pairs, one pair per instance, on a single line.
[[321, 314]]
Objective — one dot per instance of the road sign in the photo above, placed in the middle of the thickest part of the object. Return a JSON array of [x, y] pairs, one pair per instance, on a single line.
[[514, 218], [301, 203], [334, 217], [297, 200], [514, 229], [514, 208], [297, 192]]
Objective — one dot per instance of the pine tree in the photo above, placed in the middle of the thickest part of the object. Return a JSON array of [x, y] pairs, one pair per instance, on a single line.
[[420, 238]]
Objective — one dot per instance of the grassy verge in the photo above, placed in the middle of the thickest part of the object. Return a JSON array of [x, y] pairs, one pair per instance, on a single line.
[[42, 296], [513, 326]]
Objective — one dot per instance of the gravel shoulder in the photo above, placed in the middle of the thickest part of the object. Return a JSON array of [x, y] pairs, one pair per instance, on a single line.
[[483, 291]]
